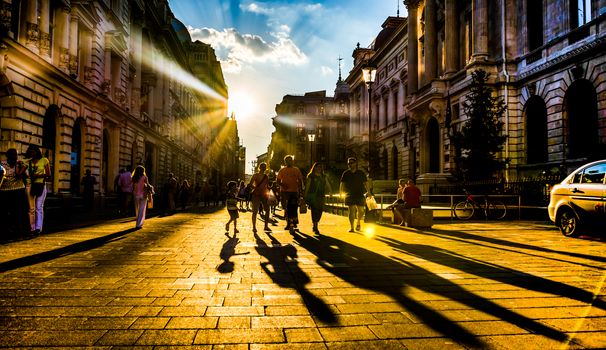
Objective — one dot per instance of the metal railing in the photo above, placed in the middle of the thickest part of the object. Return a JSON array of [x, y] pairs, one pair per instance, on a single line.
[[446, 202]]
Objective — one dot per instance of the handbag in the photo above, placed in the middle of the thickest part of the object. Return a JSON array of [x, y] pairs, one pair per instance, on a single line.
[[271, 198], [371, 203]]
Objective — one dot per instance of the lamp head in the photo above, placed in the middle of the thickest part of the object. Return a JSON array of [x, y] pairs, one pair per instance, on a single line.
[[369, 73]]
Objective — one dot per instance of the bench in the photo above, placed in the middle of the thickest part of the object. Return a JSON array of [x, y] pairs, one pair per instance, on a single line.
[[415, 217]]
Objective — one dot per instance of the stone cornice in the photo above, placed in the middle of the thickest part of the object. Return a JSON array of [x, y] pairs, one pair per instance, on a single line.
[[562, 59]]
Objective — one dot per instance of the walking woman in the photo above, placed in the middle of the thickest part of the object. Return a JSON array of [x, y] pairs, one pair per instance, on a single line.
[[140, 189], [316, 187], [259, 183], [38, 168]]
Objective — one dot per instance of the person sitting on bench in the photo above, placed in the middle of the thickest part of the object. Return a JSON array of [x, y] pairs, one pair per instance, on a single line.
[[409, 197]]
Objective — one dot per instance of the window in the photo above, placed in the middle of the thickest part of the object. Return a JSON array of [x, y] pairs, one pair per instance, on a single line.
[[300, 109], [534, 23], [395, 107], [580, 13], [300, 129], [594, 174], [322, 109]]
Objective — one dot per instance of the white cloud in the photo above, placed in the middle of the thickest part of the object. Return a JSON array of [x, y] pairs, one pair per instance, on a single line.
[[326, 71], [255, 8], [235, 49]]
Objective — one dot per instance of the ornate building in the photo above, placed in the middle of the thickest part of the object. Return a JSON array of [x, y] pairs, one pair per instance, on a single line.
[[105, 85], [313, 128], [546, 59]]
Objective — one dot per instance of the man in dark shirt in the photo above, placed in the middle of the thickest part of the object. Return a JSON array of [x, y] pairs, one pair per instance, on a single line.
[[353, 186]]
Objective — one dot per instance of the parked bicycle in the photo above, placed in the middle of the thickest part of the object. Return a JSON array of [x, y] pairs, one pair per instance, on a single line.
[[492, 209]]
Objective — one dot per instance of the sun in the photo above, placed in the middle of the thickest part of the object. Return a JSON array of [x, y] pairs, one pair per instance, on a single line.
[[241, 105]]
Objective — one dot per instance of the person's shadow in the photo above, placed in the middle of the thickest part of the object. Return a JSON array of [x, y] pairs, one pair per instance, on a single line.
[[227, 251], [392, 276], [283, 268]]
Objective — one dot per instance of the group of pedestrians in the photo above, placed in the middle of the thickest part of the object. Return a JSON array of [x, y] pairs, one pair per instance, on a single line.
[[296, 193]]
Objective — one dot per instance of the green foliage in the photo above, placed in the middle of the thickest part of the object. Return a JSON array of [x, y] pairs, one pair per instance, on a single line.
[[480, 138]]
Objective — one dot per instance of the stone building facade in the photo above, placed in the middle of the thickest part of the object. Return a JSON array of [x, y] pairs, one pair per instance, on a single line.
[[105, 85], [299, 117], [546, 59]]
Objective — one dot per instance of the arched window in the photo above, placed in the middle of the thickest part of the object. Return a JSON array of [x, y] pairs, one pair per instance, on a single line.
[[536, 130], [385, 166], [582, 121]]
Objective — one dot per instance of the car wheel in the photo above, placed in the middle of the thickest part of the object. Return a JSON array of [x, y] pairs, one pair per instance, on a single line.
[[568, 223]]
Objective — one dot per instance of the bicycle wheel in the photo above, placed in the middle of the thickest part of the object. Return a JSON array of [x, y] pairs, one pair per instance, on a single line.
[[496, 210], [463, 210]]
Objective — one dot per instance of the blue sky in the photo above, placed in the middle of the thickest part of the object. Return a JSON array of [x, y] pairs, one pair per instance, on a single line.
[[272, 48]]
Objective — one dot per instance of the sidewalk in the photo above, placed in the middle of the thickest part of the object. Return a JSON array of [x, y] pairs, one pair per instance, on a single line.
[[183, 281]]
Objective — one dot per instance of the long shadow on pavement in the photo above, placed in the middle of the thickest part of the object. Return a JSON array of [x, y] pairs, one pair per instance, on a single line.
[[373, 271], [438, 233], [495, 272], [466, 236], [285, 271], [63, 251]]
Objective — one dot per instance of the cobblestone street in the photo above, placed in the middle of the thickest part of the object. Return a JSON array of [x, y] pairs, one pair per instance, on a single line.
[[183, 281]]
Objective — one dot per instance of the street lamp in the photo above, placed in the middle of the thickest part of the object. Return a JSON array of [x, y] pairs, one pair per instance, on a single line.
[[369, 73], [311, 137]]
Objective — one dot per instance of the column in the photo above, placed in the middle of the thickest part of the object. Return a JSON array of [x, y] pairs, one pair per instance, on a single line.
[[73, 45], [45, 30], [431, 41], [413, 43], [31, 32], [62, 39], [480, 29], [137, 42], [451, 37]]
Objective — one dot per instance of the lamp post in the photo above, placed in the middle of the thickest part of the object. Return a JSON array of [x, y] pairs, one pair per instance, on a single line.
[[311, 137], [369, 72]]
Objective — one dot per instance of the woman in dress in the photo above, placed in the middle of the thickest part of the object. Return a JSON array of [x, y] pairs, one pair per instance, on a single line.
[[140, 185]]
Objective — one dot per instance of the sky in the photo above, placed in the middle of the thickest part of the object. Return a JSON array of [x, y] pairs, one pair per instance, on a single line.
[[272, 48]]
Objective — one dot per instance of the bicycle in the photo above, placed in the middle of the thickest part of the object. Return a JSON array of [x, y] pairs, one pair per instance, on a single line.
[[491, 208]]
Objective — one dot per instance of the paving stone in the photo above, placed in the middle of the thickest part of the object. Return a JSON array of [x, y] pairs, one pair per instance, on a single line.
[[236, 336], [235, 311], [192, 322], [150, 323], [120, 337], [368, 345], [334, 334], [234, 322], [289, 346], [282, 322], [167, 337]]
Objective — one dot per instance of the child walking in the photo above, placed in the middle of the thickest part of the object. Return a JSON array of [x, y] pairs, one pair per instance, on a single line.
[[232, 205]]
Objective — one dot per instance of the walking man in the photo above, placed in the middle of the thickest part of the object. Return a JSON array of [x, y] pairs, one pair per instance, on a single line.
[[354, 186], [259, 183]]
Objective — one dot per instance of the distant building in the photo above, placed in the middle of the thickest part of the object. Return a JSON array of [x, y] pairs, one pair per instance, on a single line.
[[312, 127], [106, 85]]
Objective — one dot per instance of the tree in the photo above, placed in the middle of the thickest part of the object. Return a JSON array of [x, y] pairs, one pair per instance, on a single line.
[[481, 136]]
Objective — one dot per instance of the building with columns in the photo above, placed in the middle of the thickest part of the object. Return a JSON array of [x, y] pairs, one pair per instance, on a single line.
[[312, 127], [105, 85], [546, 60]]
